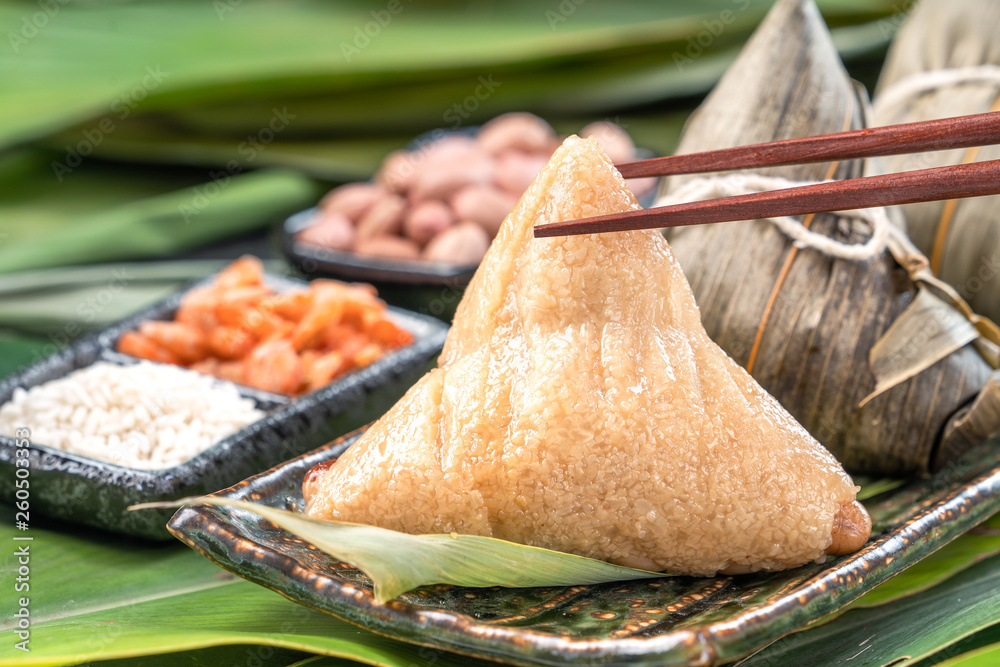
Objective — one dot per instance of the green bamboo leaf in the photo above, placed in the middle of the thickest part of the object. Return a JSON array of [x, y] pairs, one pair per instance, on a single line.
[[18, 351], [988, 656], [207, 133], [871, 487], [154, 140], [974, 546], [67, 277], [103, 597], [101, 213], [947, 613], [332, 159], [80, 310], [54, 78], [70, 301], [246, 655], [54, 81], [972, 648], [398, 562], [322, 661], [962, 553]]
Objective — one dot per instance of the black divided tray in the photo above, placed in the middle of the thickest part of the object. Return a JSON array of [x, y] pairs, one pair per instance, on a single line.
[[97, 493]]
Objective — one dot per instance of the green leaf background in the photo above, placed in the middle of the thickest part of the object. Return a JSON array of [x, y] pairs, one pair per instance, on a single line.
[[115, 116], [166, 100]]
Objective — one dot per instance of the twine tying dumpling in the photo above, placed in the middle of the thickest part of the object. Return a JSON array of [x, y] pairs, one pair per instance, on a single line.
[[730, 185], [930, 81], [885, 235], [738, 184], [921, 83]]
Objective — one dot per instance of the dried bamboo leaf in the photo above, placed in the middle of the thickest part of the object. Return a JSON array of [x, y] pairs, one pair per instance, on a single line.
[[973, 424], [927, 331], [918, 267], [804, 323], [961, 238]]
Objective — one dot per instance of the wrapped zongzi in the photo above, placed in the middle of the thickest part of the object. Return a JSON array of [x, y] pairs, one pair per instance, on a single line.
[[801, 321], [945, 62]]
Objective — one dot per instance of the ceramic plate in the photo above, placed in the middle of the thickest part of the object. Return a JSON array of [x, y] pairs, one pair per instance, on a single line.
[[313, 259], [670, 621], [97, 493]]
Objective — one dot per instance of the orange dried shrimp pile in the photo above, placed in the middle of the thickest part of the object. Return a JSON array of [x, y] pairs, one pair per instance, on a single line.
[[241, 330]]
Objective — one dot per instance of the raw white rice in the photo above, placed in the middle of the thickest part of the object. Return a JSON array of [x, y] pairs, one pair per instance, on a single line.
[[146, 415]]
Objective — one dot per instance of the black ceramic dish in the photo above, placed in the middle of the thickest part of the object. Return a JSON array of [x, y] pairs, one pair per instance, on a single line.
[[97, 493], [669, 621], [346, 265]]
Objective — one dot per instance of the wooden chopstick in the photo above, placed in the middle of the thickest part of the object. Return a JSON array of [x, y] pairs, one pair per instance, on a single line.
[[975, 179], [961, 132]]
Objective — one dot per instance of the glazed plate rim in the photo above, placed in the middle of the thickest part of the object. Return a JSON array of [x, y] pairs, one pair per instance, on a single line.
[[932, 523]]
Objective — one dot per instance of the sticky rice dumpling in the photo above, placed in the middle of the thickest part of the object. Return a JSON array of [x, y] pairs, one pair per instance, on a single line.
[[579, 405]]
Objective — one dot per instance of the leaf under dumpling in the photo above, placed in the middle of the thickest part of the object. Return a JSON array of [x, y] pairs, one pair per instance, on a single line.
[[398, 562]]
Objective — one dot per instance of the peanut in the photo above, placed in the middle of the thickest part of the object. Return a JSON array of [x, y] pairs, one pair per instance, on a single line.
[[485, 205], [518, 131], [441, 179], [383, 219], [332, 229], [427, 219], [613, 140], [388, 246], [516, 170], [447, 149], [398, 171], [353, 199], [466, 243]]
